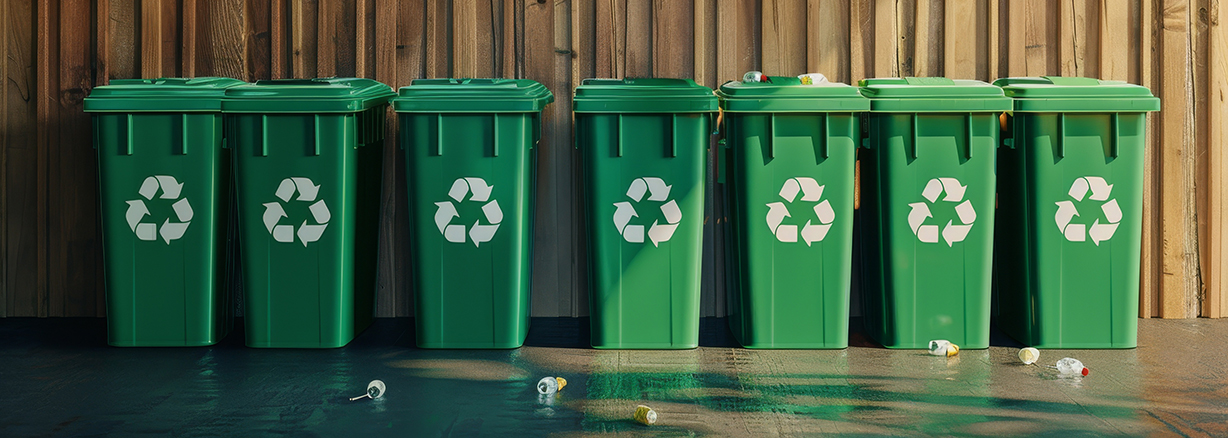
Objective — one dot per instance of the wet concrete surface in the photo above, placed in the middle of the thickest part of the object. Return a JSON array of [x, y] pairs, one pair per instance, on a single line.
[[58, 378]]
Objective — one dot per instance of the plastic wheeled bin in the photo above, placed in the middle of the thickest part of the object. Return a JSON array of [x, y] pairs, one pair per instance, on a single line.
[[164, 191], [644, 143], [1070, 193], [470, 158], [307, 167], [790, 149], [927, 188]]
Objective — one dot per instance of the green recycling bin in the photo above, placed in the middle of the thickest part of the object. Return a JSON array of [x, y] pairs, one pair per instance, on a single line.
[[470, 163], [790, 149], [1071, 196], [307, 167], [644, 143], [164, 192], [927, 188]]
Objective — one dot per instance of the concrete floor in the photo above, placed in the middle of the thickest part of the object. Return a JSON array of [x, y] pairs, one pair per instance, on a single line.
[[57, 378]]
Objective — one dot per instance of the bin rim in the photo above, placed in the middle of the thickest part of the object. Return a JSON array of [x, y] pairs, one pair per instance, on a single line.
[[307, 96], [643, 96], [160, 95], [783, 94], [1067, 94], [933, 95], [472, 95]]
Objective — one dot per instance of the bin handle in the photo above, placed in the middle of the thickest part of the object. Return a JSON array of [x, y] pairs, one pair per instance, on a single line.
[[1113, 136], [494, 143]]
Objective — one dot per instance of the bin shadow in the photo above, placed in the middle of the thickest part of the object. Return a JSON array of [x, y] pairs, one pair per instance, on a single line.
[[576, 333]]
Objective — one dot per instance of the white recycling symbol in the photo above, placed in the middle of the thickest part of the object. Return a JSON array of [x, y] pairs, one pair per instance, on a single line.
[[658, 232], [479, 233], [307, 192], [952, 232], [137, 210], [1066, 211], [811, 192]]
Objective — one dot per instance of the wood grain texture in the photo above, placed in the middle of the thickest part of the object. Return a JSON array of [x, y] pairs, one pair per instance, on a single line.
[[50, 240], [1180, 244], [1216, 303]]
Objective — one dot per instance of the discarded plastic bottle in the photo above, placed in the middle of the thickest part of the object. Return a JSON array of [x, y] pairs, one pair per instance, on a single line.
[[754, 76], [550, 385], [645, 415], [1071, 366], [943, 347], [1029, 355], [375, 390], [813, 79]]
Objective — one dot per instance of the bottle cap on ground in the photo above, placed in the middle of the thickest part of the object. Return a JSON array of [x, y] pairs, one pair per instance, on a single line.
[[1029, 355], [645, 415]]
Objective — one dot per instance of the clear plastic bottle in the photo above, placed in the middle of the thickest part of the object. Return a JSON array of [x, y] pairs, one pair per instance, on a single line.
[[942, 347], [754, 76], [550, 385], [1071, 366]]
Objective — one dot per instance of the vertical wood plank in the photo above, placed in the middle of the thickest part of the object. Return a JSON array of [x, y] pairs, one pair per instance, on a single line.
[[1200, 89], [1180, 245], [539, 66], [102, 60], [861, 40], [610, 38], [392, 292], [1151, 259], [994, 50], [438, 39], [705, 47], [1216, 303], [364, 25], [48, 83], [302, 38], [1078, 40], [473, 39], [784, 37], [222, 39], [963, 31], [411, 41], [828, 39], [930, 37], [638, 23], [326, 38], [1040, 36], [4, 161], [74, 284], [573, 298], [124, 44], [258, 36], [21, 244], [151, 38], [672, 24], [906, 29], [738, 39], [188, 42], [279, 64], [513, 39], [886, 38], [584, 40], [1114, 34]]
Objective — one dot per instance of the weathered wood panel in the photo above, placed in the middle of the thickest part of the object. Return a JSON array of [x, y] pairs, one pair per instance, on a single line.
[[49, 239]]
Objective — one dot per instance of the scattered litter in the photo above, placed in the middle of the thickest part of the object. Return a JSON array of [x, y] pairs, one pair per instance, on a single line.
[[942, 347], [814, 79], [645, 415], [375, 390], [1029, 355], [754, 76], [1071, 367], [550, 385]]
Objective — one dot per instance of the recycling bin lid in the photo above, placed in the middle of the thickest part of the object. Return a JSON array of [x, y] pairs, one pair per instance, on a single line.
[[643, 95], [1074, 94], [320, 95], [933, 95], [472, 96], [160, 95], [781, 94]]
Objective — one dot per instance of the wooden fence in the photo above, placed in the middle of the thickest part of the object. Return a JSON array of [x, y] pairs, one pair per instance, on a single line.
[[56, 51]]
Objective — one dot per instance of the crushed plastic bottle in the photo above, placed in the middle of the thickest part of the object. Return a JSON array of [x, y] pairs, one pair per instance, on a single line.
[[550, 385], [814, 79], [754, 76], [645, 415], [1071, 366], [1029, 355], [942, 347], [375, 390]]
